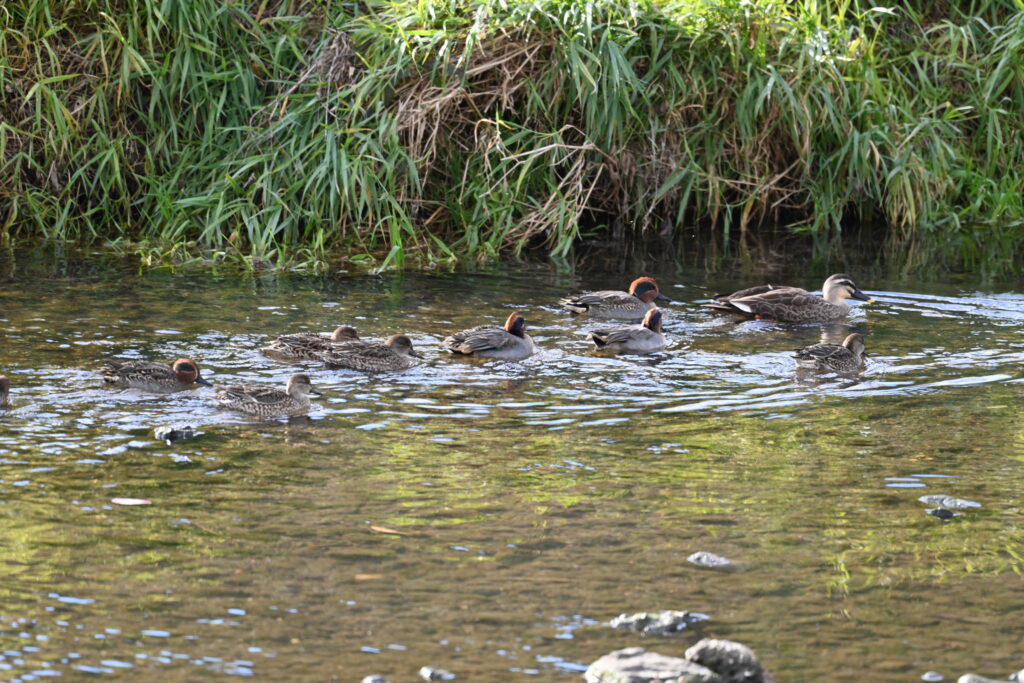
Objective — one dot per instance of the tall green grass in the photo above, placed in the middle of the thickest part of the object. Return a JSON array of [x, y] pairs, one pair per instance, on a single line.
[[288, 133]]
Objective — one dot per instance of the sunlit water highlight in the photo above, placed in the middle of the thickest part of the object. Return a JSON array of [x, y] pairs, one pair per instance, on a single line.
[[489, 517]]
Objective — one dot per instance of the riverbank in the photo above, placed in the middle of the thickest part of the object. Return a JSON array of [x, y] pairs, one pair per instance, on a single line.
[[393, 134]]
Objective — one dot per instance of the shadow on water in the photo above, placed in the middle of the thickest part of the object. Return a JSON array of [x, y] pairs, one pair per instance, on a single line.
[[488, 517]]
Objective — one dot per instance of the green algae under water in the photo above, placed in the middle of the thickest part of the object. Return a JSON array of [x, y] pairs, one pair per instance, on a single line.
[[488, 517]]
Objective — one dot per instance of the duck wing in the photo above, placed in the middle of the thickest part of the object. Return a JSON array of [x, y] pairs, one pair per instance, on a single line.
[[480, 338], [605, 297]]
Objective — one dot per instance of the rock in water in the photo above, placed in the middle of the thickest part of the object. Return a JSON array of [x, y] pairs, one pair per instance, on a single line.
[[174, 433], [710, 560], [949, 502], [975, 678], [636, 665], [429, 673], [734, 662], [375, 678], [660, 623]]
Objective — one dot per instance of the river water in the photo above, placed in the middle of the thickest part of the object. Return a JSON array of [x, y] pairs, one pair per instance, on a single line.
[[489, 518]]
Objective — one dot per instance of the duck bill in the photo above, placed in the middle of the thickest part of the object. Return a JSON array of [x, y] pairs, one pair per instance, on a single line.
[[662, 297], [416, 354], [862, 296], [204, 382], [316, 392]]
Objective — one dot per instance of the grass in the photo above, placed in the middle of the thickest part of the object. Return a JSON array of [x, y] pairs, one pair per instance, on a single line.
[[293, 134]]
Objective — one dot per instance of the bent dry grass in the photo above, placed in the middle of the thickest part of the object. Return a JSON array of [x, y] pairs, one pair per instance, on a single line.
[[282, 133]]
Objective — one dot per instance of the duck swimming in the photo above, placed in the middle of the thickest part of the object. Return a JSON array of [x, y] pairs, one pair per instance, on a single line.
[[643, 338], [155, 377], [631, 305], [490, 341], [309, 345], [394, 354], [792, 304], [263, 401], [845, 357]]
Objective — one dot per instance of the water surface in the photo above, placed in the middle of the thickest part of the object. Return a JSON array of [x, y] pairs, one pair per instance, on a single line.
[[489, 517]]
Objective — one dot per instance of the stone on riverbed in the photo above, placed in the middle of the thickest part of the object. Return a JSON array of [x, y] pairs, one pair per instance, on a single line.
[[975, 678], [170, 434], [734, 662], [375, 678], [660, 623], [948, 502], [636, 665], [710, 561], [429, 673]]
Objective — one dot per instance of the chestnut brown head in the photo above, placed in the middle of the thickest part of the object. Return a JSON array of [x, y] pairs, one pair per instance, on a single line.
[[652, 320], [188, 372], [646, 289], [516, 325]]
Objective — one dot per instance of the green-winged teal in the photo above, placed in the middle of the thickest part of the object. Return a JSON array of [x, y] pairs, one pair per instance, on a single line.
[[845, 357], [5, 392], [155, 377], [643, 338], [490, 341], [631, 305], [263, 401], [394, 354], [309, 345], [792, 304]]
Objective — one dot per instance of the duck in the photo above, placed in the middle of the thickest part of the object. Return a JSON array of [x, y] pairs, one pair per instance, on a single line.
[[309, 345], [264, 401], [490, 341], [792, 304], [155, 377], [611, 304], [643, 338], [5, 392], [396, 353], [846, 357]]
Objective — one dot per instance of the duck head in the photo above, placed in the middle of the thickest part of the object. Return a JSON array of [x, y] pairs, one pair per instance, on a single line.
[[516, 325], [652, 320], [839, 287], [646, 289], [855, 342], [344, 333], [300, 385], [188, 372], [401, 345]]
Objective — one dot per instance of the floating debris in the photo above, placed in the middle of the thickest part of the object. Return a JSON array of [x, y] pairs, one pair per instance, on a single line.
[[660, 623], [170, 434], [710, 561], [130, 501], [429, 673], [734, 662], [943, 514], [635, 664], [943, 501]]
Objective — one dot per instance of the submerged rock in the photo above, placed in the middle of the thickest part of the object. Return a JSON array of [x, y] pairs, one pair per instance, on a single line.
[[975, 678], [944, 501], [170, 434], [942, 513], [636, 665], [710, 560], [375, 678], [660, 623], [734, 662], [429, 673]]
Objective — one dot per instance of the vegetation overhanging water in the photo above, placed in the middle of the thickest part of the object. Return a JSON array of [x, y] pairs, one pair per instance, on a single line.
[[489, 517], [285, 132]]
